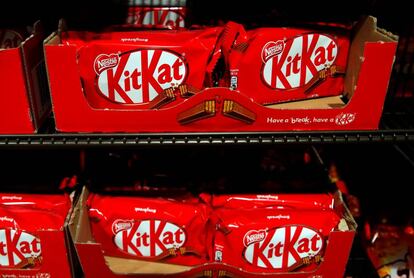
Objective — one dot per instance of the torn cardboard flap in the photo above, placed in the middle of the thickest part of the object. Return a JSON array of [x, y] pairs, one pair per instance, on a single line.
[[347, 222], [79, 225], [366, 31], [52, 39]]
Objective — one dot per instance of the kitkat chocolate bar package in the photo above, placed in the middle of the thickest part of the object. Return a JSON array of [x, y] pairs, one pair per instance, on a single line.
[[237, 234], [154, 229], [273, 239], [220, 79], [297, 201], [142, 69], [288, 64], [22, 217]]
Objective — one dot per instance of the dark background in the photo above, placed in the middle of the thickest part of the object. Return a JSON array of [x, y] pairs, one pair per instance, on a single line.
[[94, 14]]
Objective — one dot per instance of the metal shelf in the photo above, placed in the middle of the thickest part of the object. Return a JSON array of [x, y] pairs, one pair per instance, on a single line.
[[394, 127], [121, 139]]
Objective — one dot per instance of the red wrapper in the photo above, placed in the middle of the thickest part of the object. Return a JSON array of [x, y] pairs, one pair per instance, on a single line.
[[128, 70], [271, 239], [167, 230], [21, 216], [241, 201], [169, 17], [285, 64]]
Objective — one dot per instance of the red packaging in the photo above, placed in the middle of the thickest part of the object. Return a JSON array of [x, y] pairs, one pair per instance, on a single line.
[[22, 216], [129, 70], [285, 64], [221, 109], [273, 240], [96, 262], [241, 201], [155, 229], [25, 99], [169, 17]]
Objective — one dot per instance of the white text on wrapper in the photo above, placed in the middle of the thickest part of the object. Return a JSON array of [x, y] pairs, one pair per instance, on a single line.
[[282, 248], [137, 77], [150, 238], [18, 248], [295, 63]]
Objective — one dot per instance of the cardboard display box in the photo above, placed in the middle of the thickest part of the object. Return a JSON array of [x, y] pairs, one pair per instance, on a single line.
[[223, 110], [95, 264], [39, 253], [55, 262], [25, 100]]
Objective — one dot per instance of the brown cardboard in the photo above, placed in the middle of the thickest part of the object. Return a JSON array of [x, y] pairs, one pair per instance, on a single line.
[[79, 223], [35, 71], [318, 103], [342, 209], [52, 39], [120, 265], [366, 32]]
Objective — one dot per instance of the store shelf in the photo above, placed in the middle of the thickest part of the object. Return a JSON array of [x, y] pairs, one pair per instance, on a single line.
[[395, 126], [84, 140]]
